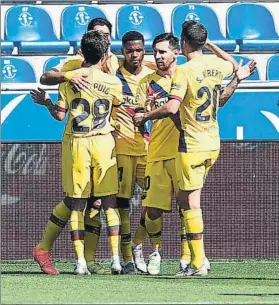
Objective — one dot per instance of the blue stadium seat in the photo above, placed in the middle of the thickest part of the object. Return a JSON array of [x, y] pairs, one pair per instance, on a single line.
[[6, 47], [142, 18], [31, 29], [245, 60], [205, 15], [252, 26], [181, 60], [74, 21], [272, 68], [52, 62], [16, 70]]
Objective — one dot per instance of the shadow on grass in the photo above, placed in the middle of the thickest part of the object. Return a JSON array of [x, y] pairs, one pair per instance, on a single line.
[[33, 273], [251, 294], [162, 277]]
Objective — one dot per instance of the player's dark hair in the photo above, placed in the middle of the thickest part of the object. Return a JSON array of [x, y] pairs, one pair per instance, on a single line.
[[173, 41], [99, 21], [94, 46], [194, 33], [131, 36]]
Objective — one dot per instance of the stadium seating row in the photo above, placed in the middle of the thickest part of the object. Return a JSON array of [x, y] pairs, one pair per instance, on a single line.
[[250, 26], [19, 70]]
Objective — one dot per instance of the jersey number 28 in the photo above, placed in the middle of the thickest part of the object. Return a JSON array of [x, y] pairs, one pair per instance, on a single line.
[[100, 110]]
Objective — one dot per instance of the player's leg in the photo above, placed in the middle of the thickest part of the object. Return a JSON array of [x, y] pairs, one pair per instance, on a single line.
[[191, 169], [159, 189], [137, 242], [185, 253], [126, 175], [57, 221], [79, 191], [92, 234], [105, 179]]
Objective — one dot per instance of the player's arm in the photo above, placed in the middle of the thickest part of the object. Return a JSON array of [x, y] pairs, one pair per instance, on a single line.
[[221, 53], [42, 98], [168, 109], [242, 73]]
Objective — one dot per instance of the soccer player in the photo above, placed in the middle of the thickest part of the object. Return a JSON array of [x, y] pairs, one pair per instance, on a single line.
[[61, 212], [160, 175], [131, 148], [195, 92], [88, 147]]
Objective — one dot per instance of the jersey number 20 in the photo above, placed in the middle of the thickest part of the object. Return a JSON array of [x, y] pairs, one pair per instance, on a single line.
[[210, 100]]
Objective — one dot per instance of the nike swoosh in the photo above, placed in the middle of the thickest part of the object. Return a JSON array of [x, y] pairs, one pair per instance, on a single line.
[[8, 109], [273, 118]]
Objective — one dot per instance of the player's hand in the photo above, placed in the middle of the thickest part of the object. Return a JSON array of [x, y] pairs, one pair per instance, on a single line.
[[150, 102], [138, 119], [80, 82], [40, 97], [245, 71], [106, 66]]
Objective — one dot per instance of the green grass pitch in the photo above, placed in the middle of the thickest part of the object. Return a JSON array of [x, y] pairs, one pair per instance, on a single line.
[[241, 282]]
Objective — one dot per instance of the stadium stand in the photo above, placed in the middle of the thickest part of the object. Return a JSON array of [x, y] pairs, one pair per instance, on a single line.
[[272, 68], [6, 47], [52, 62], [16, 70], [255, 76], [31, 30], [252, 26], [140, 18], [204, 14], [181, 60], [74, 21]]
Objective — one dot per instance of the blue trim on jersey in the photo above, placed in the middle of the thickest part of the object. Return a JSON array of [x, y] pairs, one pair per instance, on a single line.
[[158, 89], [125, 87], [182, 146]]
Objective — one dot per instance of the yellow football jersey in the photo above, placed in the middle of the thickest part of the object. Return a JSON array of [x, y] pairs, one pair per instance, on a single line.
[[197, 85], [129, 140], [76, 62], [89, 110], [164, 134]]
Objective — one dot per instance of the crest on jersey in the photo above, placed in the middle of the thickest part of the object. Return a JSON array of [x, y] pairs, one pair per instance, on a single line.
[[192, 16], [136, 16], [25, 18], [82, 18], [9, 70]]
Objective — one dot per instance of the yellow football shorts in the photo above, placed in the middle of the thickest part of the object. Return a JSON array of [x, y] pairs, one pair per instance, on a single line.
[[160, 183], [131, 170], [192, 168], [89, 163]]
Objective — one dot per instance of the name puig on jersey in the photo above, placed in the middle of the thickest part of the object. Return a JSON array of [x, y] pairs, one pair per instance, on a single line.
[[101, 88]]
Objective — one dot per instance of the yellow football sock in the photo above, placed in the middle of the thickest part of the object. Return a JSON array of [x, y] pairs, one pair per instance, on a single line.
[[126, 241], [153, 228], [185, 250], [57, 221], [141, 233], [77, 232], [91, 237], [194, 230], [113, 227]]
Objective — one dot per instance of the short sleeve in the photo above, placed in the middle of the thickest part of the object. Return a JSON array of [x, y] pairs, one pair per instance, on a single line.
[[179, 85], [61, 104]]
